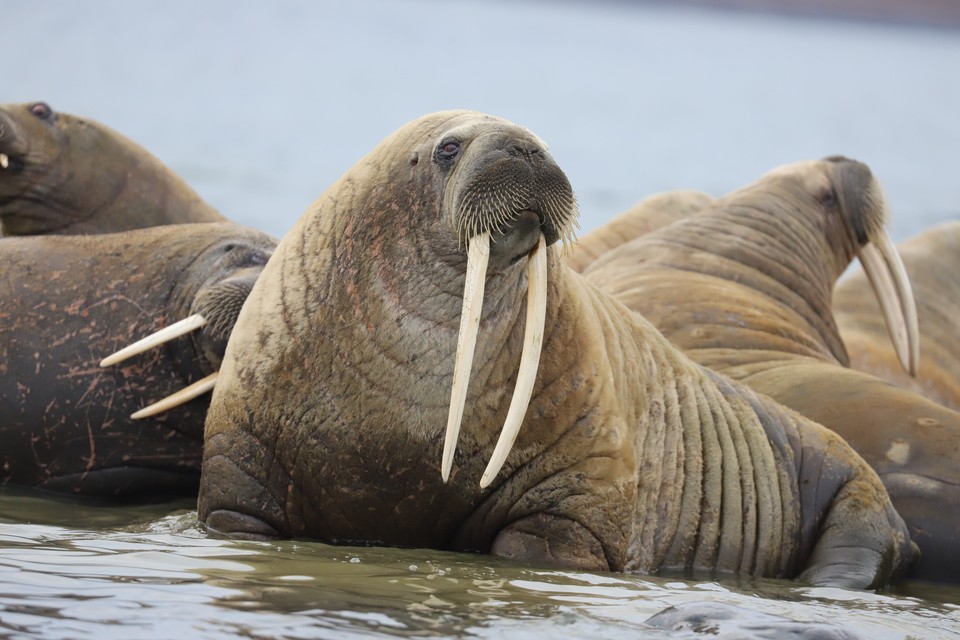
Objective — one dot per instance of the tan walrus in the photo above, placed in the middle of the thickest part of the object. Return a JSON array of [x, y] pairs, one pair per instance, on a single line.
[[649, 214], [932, 260], [61, 174], [745, 289], [328, 418], [65, 302]]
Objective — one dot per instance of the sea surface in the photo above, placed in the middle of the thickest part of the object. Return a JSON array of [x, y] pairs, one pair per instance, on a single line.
[[261, 106]]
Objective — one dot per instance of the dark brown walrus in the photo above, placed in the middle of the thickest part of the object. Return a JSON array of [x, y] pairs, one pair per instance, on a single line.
[[67, 301], [932, 260], [744, 288], [61, 174], [328, 417]]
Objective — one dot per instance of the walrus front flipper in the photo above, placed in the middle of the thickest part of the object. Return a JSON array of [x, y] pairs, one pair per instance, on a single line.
[[240, 526], [551, 541], [858, 557], [862, 542]]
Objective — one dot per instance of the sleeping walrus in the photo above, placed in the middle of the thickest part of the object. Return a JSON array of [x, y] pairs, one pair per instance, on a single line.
[[60, 174], [328, 419], [744, 288], [65, 302]]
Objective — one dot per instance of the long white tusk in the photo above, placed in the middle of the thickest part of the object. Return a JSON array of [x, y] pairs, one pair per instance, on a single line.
[[478, 254], [891, 285], [166, 334], [529, 360], [4, 160], [186, 394]]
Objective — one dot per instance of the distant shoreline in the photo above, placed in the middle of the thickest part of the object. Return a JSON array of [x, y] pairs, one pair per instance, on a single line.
[[944, 14]]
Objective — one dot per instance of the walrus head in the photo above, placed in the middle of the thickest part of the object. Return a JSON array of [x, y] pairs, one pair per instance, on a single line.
[[853, 215], [214, 288], [66, 174], [506, 199], [29, 145]]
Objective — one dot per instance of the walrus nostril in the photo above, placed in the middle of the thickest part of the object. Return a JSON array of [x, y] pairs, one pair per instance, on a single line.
[[524, 149]]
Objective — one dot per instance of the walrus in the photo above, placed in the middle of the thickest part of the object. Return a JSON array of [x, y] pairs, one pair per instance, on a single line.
[[744, 288], [65, 303], [932, 261], [341, 373], [62, 174], [653, 212]]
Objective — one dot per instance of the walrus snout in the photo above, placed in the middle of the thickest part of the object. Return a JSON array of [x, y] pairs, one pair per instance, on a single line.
[[11, 145], [220, 305]]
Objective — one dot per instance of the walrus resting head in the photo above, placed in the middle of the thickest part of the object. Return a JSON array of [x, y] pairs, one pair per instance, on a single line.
[[214, 308], [62, 174], [853, 214]]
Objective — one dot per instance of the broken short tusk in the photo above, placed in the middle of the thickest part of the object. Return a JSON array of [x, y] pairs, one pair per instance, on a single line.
[[166, 334], [891, 285], [4, 160], [186, 394], [529, 360], [478, 254]]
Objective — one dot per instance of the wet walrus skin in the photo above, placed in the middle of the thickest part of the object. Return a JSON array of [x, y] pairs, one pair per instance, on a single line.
[[68, 301], [933, 261], [327, 419], [745, 289], [62, 174]]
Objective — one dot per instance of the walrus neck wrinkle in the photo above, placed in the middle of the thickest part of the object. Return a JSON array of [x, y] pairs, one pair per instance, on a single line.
[[790, 263]]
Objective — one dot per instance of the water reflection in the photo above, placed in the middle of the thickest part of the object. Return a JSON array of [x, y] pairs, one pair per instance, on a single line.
[[80, 571]]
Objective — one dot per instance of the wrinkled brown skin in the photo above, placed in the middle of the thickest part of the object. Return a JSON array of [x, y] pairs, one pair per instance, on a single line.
[[72, 175], [68, 301], [649, 214], [932, 260], [745, 289], [327, 421]]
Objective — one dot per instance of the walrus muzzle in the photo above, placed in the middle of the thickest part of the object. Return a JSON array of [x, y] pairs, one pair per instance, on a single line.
[[881, 262], [521, 190]]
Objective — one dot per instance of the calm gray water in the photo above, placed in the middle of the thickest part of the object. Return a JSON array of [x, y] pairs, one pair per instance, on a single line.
[[262, 105], [150, 573]]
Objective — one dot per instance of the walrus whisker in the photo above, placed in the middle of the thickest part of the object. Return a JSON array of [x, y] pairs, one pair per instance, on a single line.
[[478, 254], [891, 285], [175, 330], [529, 360], [186, 394], [4, 160]]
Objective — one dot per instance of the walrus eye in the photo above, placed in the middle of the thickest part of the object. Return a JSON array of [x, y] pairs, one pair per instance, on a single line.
[[829, 197], [447, 151], [41, 109]]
